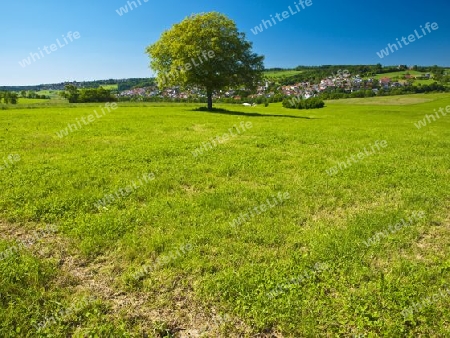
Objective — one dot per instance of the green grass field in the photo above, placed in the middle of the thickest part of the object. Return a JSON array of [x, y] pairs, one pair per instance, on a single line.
[[52, 93], [25, 101], [399, 100], [273, 75], [35, 103], [111, 87], [399, 74], [423, 82], [164, 257]]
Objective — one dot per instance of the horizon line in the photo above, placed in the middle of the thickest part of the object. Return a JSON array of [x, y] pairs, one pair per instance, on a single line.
[[266, 69]]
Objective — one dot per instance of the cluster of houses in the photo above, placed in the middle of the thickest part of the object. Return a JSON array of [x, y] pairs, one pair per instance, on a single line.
[[153, 91], [348, 84], [306, 90], [175, 93]]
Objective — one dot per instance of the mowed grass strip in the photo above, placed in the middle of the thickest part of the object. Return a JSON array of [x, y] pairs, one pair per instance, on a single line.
[[194, 200]]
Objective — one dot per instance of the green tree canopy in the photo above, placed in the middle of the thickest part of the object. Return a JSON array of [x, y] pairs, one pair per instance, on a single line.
[[205, 50], [8, 97]]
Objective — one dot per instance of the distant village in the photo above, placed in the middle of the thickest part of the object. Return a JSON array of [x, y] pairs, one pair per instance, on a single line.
[[346, 82]]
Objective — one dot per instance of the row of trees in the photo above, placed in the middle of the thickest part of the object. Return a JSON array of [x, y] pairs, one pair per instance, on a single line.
[[8, 97], [75, 95], [32, 95]]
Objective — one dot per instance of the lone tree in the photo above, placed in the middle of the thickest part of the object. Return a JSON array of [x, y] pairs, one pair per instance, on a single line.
[[205, 50]]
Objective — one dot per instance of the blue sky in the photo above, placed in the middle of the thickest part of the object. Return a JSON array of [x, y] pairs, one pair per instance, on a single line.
[[112, 46]]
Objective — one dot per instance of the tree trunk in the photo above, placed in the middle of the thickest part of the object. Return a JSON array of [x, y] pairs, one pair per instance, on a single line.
[[210, 103]]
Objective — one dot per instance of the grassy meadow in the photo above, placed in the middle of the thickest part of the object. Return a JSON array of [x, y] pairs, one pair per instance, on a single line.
[[401, 74], [52, 93], [276, 74], [90, 247]]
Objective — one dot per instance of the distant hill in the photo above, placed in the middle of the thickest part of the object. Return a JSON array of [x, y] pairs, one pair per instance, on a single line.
[[111, 84]]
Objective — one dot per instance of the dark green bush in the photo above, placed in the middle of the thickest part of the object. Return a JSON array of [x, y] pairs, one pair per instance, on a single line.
[[299, 103]]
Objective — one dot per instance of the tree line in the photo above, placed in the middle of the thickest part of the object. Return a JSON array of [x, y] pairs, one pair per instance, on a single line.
[[33, 95]]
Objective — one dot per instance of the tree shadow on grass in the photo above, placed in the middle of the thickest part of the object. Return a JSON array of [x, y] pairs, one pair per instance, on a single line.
[[231, 112]]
